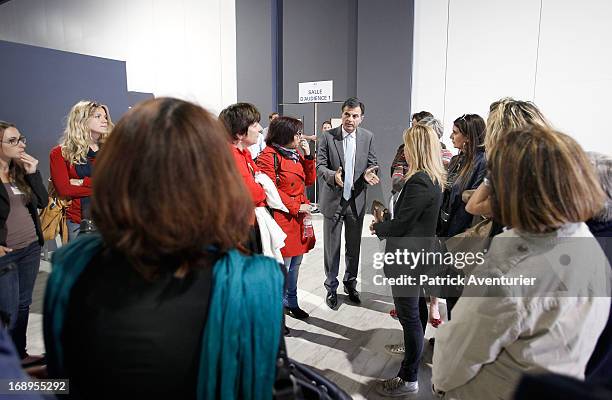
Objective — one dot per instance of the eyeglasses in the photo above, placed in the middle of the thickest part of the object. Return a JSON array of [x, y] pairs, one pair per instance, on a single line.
[[15, 141]]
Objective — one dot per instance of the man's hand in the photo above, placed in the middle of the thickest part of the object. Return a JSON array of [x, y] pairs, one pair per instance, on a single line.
[[370, 175], [338, 177]]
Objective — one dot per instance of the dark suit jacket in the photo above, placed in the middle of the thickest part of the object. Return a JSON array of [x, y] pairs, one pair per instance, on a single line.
[[330, 157], [39, 200]]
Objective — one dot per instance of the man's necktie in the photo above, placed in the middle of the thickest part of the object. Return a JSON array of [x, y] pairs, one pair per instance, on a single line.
[[349, 160]]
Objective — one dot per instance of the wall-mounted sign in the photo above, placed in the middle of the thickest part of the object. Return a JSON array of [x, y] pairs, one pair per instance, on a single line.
[[316, 92]]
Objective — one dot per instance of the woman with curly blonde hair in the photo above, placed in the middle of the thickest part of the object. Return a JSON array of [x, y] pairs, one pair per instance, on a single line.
[[505, 114], [87, 127]]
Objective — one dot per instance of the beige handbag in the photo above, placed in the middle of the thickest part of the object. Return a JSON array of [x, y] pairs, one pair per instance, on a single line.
[[53, 219], [473, 240]]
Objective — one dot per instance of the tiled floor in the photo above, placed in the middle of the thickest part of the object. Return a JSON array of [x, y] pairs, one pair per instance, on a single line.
[[346, 345]]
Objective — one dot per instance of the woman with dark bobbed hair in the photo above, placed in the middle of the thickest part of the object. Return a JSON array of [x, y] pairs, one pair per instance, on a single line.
[[242, 123], [544, 292], [161, 303], [292, 172]]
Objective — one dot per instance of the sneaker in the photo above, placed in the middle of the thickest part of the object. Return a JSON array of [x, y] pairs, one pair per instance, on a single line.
[[396, 387], [395, 349]]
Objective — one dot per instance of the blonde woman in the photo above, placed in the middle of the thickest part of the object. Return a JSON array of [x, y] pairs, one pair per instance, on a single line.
[[415, 217], [504, 115], [88, 125]]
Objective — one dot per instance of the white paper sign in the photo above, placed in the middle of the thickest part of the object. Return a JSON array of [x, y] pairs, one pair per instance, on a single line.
[[316, 92]]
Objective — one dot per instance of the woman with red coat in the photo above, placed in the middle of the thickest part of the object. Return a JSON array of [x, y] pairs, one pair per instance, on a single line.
[[291, 172], [242, 123]]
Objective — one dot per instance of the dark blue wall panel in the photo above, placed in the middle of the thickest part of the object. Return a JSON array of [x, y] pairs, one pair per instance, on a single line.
[[39, 86]]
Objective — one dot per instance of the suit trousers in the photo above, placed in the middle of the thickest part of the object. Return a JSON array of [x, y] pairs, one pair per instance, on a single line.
[[346, 215]]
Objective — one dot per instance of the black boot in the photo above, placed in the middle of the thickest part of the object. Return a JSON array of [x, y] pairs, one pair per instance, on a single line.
[[297, 312]]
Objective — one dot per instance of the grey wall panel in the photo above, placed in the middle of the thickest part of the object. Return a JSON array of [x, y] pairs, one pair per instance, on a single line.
[[39, 86], [254, 54], [384, 73], [364, 46], [319, 43]]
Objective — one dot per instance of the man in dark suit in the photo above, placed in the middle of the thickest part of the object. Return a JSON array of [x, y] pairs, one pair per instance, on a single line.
[[346, 165]]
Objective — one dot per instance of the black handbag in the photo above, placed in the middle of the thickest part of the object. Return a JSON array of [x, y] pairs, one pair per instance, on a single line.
[[298, 381]]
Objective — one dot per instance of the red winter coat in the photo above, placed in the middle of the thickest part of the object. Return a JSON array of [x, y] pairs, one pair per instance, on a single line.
[[293, 179], [61, 173], [247, 169]]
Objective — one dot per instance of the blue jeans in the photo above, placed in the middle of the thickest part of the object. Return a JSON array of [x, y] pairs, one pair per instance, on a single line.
[[73, 230], [18, 271], [292, 264]]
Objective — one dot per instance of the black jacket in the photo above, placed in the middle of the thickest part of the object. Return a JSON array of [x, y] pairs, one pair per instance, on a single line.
[[412, 229], [459, 220], [416, 210], [39, 200]]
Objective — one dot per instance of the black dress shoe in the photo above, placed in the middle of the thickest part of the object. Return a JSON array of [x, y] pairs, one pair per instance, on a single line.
[[297, 312], [353, 295], [331, 299]]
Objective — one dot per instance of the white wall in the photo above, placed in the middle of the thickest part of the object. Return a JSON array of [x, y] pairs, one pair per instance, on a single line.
[[181, 48], [557, 53]]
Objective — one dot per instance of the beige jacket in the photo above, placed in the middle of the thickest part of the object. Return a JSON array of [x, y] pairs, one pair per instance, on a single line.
[[552, 326]]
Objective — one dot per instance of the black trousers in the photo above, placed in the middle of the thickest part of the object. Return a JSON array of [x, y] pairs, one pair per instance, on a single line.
[[423, 313], [450, 304], [409, 317]]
